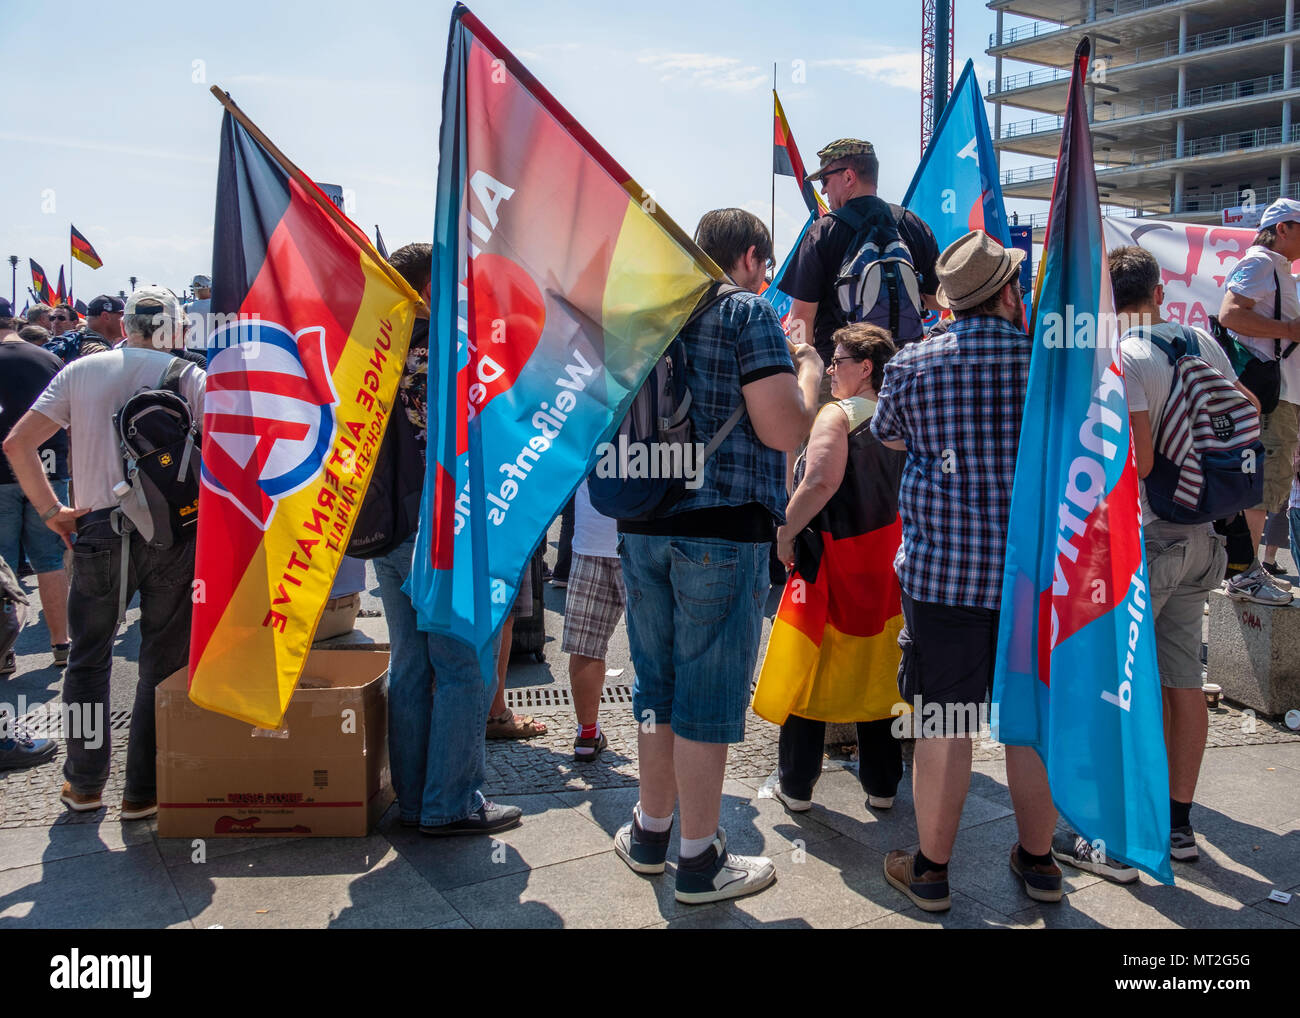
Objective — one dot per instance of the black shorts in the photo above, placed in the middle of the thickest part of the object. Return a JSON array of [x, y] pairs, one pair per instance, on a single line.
[[948, 657]]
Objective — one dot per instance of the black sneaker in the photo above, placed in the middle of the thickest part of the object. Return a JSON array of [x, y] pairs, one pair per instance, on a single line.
[[8, 665], [594, 748], [717, 875], [487, 819], [1182, 845], [20, 748], [644, 851], [1077, 851]]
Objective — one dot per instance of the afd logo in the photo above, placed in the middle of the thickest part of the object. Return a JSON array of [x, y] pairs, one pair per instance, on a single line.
[[268, 414]]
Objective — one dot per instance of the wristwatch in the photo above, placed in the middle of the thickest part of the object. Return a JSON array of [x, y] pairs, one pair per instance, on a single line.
[[51, 512]]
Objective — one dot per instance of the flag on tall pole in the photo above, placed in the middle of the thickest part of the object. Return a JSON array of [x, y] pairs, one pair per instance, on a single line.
[[301, 378], [41, 284], [786, 161], [82, 251], [380, 246], [558, 282], [1076, 674], [60, 296], [955, 188]]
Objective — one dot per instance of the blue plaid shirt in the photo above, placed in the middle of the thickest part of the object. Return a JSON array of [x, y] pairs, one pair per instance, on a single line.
[[737, 341], [956, 400]]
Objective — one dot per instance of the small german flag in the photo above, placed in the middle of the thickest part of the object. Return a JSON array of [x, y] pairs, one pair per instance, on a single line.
[[41, 284], [82, 251]]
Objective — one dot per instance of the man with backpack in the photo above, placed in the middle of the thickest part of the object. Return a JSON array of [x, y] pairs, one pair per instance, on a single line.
[[119, 544], [696, 574], [1179, 383], [1261, 309], [833, 260]]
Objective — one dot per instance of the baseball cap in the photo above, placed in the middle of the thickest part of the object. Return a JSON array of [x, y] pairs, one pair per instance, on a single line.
[[201, 281], [839, 149], [104, 303], [153, 299], [1284, 210], [6, 309]]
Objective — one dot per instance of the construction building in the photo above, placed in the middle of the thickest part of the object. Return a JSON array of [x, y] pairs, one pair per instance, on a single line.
[[1190, 100]]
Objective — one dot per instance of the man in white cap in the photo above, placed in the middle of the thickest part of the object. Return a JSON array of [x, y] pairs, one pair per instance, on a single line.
[[196, 313], [954, 403], [83, 398], [1261, 308]]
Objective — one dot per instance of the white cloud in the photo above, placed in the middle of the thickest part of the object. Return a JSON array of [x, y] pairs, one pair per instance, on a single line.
[[896, 69], [103, 146], [706, 70]]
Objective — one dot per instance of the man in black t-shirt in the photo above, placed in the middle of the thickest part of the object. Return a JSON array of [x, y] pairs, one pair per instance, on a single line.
[[849, 170], [25, 371]]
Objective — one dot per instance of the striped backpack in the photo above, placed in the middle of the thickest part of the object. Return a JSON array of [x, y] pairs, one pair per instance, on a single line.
[[1209, 460]]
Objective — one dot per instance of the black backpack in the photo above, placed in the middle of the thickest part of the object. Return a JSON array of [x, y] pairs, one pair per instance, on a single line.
[[161, 443], [657, 423], [878, 281]]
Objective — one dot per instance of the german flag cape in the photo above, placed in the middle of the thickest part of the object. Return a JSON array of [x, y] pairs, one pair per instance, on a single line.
[[833, 653], [301, 379], [82, 251], [558, 282]]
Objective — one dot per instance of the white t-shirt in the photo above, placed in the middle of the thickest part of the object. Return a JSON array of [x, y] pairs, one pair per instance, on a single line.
[[1254, 278], [1148, 377], [83, 398], [594, 535]]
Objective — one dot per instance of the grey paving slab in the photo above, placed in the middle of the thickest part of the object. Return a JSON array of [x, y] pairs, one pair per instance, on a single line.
[[188, 851], [28, 846], [598, 891], [126, 889], [966, 914], [840, 804], [701, 917], [551, 832], [1240, 860], [754, 826], [455, 924], [1147, 905], [1290, 912], [1242, 782], [309, 884], [833, 884], [1279, 754]]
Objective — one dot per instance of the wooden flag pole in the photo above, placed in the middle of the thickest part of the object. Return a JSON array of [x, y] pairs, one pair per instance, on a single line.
[[310, 188]]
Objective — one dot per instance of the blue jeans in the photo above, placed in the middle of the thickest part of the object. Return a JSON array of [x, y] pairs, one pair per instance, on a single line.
[[437, 709], [21, 530], [694, 623]]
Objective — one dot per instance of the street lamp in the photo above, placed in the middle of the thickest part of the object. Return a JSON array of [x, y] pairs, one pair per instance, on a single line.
[[13, 283], [132, 284]]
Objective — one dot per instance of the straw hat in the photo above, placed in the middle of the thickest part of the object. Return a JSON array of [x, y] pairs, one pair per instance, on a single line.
[[973, 269]]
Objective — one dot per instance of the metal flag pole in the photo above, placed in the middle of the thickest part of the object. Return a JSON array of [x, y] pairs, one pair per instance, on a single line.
[[774, 164]]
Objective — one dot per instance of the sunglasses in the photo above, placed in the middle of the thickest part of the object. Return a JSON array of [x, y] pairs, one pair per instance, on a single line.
[[836, 361], [825, 179]]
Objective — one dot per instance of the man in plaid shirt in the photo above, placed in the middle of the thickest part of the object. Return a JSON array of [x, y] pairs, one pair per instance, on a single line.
[[954, 403]]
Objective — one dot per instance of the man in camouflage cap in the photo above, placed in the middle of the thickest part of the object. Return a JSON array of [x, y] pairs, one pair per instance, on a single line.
[[848, 174]]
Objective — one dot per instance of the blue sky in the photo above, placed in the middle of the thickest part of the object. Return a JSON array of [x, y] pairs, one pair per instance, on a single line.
[[122, 138]]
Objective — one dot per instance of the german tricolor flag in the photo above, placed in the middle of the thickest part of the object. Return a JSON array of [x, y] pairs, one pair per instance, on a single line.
[[787, 162], [41, 284], [833, 654], [60, 292], [82, 251]]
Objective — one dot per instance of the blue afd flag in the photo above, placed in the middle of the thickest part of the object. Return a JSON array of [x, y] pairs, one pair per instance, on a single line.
[[956, 189], [778, 298], [1076, 674]]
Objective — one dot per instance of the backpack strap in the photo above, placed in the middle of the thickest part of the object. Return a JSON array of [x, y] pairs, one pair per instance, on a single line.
[[716, 293], [1278, 355], [1173, 350], [170, 379]]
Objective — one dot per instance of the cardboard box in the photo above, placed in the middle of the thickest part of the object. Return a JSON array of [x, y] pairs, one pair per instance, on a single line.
[[323, 774]]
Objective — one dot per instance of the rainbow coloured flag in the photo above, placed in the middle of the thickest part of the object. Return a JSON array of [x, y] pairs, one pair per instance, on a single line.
[[301, 379], [82, 251], [558, 282], [1076, 673]]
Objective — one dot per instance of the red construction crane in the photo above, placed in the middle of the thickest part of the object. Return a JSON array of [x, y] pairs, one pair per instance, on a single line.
[[936, 53]]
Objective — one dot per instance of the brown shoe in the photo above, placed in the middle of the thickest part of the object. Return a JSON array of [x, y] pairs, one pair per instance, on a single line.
[[78, 802], [138, 809], [928, 892], [1042, 883]]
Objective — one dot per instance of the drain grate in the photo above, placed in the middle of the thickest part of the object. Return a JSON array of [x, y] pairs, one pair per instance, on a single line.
[[540, 697]]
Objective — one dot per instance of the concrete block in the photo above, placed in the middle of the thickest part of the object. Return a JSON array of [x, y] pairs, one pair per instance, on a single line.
[[1255, 653]]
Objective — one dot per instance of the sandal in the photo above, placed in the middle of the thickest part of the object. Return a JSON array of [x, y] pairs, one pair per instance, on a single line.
[[514, 726]]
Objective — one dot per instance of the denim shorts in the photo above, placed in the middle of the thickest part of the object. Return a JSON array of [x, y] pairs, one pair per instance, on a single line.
[[21, 528], [694, 624]]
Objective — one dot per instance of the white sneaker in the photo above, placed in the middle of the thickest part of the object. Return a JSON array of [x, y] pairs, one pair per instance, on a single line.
[[791, 803], [1075, 850], [880, 801], [1257, 586], [721, 876]]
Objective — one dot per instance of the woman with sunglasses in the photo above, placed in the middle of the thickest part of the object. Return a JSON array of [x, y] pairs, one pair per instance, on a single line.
[[833, 653]]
